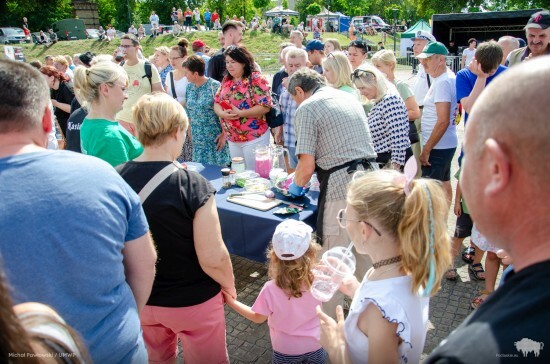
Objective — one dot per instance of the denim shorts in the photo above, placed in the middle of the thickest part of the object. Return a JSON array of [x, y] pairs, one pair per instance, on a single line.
[[440, 160]]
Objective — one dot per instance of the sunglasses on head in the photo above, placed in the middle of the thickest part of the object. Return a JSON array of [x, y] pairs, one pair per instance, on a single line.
[[359, 44], [358, 73]]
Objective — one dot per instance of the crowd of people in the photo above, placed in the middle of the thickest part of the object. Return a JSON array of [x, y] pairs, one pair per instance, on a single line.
[[130, 259]]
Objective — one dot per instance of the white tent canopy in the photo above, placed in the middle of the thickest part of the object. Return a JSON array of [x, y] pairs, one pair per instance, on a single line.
[[279, 11]]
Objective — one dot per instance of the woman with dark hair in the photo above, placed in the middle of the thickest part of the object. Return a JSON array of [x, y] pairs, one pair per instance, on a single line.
[[209, 141], [64, 94], [176, 86], [241, 102], [358, 53]]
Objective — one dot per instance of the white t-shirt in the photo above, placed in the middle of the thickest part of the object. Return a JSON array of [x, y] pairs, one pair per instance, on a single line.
[[420, 87], [179, 85], [443, 89], [469, 56], [398, 304]]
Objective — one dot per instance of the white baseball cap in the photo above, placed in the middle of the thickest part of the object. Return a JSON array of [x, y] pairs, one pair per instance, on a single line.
[[422, 34], [291, 239]]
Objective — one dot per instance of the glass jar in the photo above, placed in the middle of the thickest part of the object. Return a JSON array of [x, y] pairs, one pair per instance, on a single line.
[[226, 178], [237, 164]]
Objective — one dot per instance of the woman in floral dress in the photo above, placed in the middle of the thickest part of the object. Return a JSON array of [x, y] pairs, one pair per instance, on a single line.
[[209, 144], [246, 96]]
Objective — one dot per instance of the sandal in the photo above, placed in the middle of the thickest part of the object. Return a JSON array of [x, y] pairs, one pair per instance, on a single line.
[[479, 300], [451, 274], [468, 254], [476, 270]]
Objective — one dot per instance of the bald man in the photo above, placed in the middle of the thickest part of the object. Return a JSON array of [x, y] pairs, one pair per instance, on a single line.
[[505, 183], [508, 44]]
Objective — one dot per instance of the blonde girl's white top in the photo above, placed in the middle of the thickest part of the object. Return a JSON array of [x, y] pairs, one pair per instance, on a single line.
[[396, 302]]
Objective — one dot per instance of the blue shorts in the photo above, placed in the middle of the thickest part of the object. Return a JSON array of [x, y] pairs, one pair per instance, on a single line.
[[440, 160], [314, 357]]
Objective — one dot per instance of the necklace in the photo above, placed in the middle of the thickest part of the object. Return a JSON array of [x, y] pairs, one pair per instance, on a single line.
[[387, 262]]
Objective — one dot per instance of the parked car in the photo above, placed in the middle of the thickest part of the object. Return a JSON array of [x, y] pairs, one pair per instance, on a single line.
[[70, 29], [92, 33], [373, 21], [11, 35]]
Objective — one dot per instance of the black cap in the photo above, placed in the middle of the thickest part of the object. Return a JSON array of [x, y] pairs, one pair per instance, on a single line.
[[539, 20], [86, 58]]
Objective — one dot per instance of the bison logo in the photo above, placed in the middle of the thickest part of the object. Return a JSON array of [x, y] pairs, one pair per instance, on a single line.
[[526, 346]]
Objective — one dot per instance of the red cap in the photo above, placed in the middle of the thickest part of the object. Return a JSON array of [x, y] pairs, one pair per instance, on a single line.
[[198, 43]]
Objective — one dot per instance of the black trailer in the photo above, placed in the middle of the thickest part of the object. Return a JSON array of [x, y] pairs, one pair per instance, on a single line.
[[481, 26]]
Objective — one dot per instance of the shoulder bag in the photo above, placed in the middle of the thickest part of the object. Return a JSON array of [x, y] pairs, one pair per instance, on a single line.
[[274, 117], [157, 180]]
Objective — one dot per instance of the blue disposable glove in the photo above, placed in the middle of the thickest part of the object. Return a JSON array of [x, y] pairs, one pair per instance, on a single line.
[[296, 191]]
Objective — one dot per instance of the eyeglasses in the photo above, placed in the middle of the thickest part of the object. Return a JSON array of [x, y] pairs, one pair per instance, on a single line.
[[358, 73], [126, 46], [341, 217]]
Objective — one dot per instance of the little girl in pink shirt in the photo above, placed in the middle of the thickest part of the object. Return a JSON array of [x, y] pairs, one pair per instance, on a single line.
[[285, 301]]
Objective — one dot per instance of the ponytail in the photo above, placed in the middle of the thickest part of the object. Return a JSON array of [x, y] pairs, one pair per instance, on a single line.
[[422, 231], [88, 80]]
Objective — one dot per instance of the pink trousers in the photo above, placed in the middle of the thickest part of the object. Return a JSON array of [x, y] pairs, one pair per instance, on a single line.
[[201, 329]]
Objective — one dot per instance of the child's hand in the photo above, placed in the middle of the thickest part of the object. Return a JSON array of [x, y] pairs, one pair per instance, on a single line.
[[349, 286], [228, 299], [458, 208], [332, 337]]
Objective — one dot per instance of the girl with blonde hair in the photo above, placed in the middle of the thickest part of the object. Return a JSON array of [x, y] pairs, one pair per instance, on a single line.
[[337, 70], [400, 222], [332, 45], [286, 301], [102, 90]]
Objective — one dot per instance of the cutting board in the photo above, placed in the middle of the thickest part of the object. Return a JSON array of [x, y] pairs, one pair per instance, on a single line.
[[257, 202]]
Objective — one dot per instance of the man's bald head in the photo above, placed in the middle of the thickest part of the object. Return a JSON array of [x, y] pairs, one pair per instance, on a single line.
[[514, 110]]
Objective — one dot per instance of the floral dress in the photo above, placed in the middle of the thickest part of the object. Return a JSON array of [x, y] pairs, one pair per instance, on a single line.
[[205, 124], [244, 95]]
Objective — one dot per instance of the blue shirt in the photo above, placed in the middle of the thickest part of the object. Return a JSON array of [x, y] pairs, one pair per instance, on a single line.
[[207, 16], [288, 107], [465, 81], [64, 220]]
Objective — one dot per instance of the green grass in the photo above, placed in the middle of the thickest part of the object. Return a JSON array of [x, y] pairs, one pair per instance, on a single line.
[[264, 46]]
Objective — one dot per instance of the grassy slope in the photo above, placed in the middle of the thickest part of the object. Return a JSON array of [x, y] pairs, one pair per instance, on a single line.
[[263, 45]]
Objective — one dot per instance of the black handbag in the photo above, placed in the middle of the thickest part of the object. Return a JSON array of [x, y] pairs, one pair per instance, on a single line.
[[413, 133], [274, 117]]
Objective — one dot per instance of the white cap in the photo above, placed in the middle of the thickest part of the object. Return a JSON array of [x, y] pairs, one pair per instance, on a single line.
[[291, 239], [422, 34]]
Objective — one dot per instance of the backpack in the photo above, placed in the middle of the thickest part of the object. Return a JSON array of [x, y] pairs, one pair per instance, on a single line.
[[148, 72]]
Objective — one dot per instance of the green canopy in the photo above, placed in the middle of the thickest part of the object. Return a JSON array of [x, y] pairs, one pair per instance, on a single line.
[[420, 25]]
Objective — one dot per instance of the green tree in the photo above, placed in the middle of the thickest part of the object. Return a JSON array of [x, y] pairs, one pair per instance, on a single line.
[[40, 14], [313, 9], [261, 4]]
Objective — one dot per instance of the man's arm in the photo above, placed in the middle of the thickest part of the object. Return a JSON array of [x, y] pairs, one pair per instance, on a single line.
[[481, 81], [443, 110], [304, 169], [139, 258], [157, 87]]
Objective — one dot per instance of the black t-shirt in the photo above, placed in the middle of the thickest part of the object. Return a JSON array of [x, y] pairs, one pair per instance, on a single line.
[[511, 326], [65, 95], [170, 209], [216, 66], [73, 129]]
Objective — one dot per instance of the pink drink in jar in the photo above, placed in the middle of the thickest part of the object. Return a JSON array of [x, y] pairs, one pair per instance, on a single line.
[[262, 166]]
